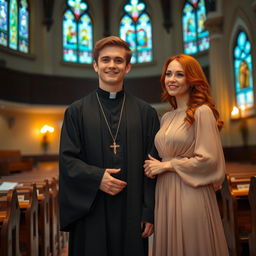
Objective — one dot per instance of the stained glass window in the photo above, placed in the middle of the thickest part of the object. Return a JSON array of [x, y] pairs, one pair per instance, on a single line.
[[77, 33], [136, 30], [195, 37], [14, 24], [3, 22], [23, 26], [243, 71]]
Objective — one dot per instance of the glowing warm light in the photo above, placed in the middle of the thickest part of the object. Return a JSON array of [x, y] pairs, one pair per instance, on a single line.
[[242, 107], [239, 112], [235, 112], [46, 128]]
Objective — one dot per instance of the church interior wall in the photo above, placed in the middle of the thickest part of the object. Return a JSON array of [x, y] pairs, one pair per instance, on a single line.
[[45, 59], [21, 130], [235, 20]]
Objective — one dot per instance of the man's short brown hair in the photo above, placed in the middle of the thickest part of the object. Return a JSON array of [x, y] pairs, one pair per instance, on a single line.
[[111, 41]]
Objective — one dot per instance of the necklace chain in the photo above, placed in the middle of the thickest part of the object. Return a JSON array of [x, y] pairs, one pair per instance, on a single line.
[[114, 146]]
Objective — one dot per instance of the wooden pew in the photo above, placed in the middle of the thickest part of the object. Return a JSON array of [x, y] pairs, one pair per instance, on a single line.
[[28, 203], [9, 223], [43, 220], [11, 160], [43, 195], [236, 217], [54, 218], [252, 200]]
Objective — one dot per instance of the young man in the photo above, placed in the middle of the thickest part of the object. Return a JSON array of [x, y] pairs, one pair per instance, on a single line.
[[106, 202]]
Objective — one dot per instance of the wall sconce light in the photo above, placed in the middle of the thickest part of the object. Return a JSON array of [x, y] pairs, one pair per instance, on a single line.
[[238, 113], [45, 143], [235, 113]]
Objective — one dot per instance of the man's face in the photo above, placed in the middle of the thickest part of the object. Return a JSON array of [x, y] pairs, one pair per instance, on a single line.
[[111, 67]]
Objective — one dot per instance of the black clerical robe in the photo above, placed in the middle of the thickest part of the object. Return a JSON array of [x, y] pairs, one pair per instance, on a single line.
[[100, 224]]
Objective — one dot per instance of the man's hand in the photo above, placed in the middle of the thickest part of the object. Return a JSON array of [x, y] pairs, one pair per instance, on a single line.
[[147, 229], [111, 185]]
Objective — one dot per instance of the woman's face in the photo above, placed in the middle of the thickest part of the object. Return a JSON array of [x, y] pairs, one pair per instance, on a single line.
[[175, 80]]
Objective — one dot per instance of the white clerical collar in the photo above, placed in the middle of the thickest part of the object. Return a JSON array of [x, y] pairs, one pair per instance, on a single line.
[[112, 95]]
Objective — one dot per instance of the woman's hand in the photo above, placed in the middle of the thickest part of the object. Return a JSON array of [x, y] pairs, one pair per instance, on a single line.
[[153, 167]]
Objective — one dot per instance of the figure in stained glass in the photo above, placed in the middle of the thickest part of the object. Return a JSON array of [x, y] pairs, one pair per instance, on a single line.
[[195, 37], [243, 71], [23, 26], [136, 30], [77, 33], [13, 23], [244, 75]]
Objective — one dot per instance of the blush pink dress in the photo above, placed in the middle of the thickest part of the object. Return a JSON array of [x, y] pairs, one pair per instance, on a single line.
[[187, 219]]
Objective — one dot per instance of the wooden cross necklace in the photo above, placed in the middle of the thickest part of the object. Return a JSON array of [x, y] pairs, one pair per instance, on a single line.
[[114, 145]]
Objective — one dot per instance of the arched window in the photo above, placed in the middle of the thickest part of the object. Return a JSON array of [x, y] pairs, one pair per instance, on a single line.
[[14, 24], [195, 37], [136, 30], [243, 71], [77, 33]]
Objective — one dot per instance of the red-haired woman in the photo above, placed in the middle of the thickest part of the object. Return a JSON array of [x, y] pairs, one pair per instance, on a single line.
[[187, 219]]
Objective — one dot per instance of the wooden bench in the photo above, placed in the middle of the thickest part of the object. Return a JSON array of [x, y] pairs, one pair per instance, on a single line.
[[43, 195], [29, 238], [236, 217], [9, 223], [252, 200], [11, 160], [54, 219], [39, 232]]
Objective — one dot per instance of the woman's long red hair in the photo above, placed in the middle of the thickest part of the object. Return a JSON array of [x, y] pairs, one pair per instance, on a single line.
[[199, 88]]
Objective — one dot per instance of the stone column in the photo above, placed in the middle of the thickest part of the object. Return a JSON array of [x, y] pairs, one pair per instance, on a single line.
[[218, 71]]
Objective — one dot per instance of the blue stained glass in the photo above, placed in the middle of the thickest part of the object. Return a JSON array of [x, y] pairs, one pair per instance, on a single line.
[[134, 8], [85, 40], [195, 37], [13, 24], [136, 29], [247, 47], [127, 33], [3, 22], [23, 26], [69, 37], [77, 33], [243, 71], [144, 39], [78, 6]]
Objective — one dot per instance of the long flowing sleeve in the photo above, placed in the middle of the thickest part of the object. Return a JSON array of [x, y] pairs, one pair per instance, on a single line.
[[207, 165], [79, 181], [149, 184]]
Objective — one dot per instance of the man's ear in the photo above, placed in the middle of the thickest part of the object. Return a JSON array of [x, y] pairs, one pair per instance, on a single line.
[[95, 66], [128, 68]]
